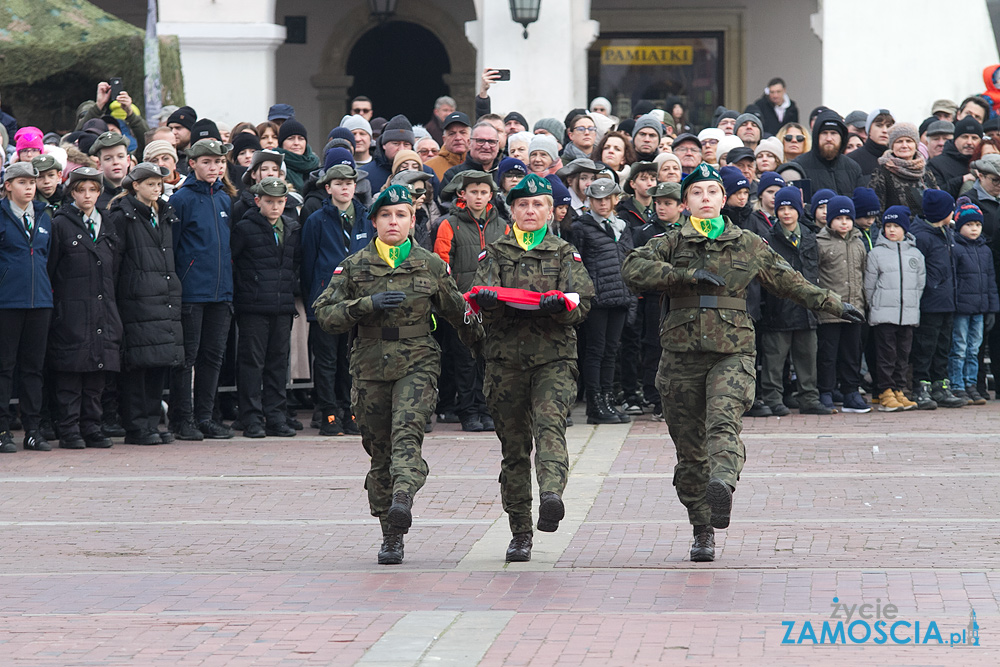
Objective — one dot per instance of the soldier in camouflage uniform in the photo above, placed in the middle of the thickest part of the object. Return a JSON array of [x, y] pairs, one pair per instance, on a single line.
[[706, 374], [388, 290], [531, 370]]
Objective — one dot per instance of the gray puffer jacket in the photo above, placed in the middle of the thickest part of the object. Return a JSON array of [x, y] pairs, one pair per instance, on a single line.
[[894, 281]]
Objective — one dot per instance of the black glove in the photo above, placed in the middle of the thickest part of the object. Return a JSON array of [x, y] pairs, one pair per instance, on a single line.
[[708, 278], [552, 303], [486, 299], [387, 300], [989, 320], [852, 314]]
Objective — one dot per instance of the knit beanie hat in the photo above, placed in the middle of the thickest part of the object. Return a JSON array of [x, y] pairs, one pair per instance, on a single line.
[[726, 144], [937, 204], [404, 155], [28, 137], [769, 179], [771, 145], [866, 203], [966, 211], [647, 121], [514, 115], [666, 157], [839, 205], [243, 141], [158, 147], [897, 215], [510, 164], [872, 115], [337, 156], [343, 133], [788, 196], [711, 133], [643, 107], [560, 193], [543, 142], [968, 125], [733, 180], [291, 128], [553, 126], [184, 116], [351, 123], [821, 198], [900, 130], [749, 117], [204, 128], [399, 128]]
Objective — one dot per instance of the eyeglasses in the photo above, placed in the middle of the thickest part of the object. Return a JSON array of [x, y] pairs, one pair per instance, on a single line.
[[359, 110], [796, 138], [686, 149], [419, 191], [427, 151], [709, 142], [587, 130], [485, 142]]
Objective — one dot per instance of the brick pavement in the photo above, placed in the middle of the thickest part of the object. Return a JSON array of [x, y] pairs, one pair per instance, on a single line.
[[262, 552]]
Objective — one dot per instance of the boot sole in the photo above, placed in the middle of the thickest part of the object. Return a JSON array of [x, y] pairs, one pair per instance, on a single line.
[[882, 408], [400, 517], [550, 512], [720, 500]]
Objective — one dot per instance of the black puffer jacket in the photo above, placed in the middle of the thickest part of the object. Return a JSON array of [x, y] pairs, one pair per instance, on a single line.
[[148, 290], [603, 258], [949, 168], [86, 331], [841, 174], [265, 274], [779, 314], [867, 157]]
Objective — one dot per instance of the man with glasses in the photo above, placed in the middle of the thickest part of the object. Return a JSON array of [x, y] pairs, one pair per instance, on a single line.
[[457, 130], [483, 151], [427, 149], [362, 106], [688, 149]]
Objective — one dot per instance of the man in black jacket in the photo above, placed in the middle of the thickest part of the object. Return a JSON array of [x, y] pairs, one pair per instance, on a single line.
[[776, 107], [951, 168], [825, 165], [877, 128]]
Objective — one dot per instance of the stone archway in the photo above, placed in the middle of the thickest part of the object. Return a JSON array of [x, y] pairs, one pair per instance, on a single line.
[[332, 82]]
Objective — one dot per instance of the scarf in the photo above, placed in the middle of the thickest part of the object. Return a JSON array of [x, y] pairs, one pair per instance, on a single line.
[[393, 255], [710, 228], [574, 152], [298, 167], [909, 169], [529, 240]]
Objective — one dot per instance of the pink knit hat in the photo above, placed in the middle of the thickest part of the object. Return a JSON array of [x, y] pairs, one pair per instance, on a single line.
[[28, 137]]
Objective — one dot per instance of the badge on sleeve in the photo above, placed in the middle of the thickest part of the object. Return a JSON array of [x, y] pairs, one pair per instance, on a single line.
[[337, 271], [482, 255], [576, 256]]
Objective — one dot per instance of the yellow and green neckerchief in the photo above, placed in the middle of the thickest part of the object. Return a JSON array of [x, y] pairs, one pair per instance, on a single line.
[[529, 240], [393, 255], [711, 227]]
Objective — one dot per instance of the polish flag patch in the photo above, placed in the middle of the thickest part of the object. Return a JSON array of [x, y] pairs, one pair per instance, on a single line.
[[337, 271], [447, 268], [482, 255], [576, 256]]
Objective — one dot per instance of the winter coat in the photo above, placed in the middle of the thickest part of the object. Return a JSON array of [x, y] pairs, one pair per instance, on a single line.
[[779, 314], [265, 273], [325, 243], [24, 280], [894, 281], [936, 244], [975, 278], [740, 216], [201, 241], [867, 157], [603, 258], [460, 240], [315, 195], [629, 212], [895, 190], [869, 236], [148, 292], [466, 165], [770, 119], [108, 192], [841, 174], [990, 206], [86, 331], [842, 268], [949, 169]]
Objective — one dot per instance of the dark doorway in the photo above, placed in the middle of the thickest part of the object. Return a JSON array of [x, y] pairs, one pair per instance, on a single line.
[[399, 66]]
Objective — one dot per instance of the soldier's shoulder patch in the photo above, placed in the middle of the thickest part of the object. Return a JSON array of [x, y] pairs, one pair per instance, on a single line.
[[576, 257], [337, 271], [482, 255], [447, 268], [660, 235]]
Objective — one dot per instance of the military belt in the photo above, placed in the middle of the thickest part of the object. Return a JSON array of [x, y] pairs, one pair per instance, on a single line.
[[394, 333], [707, 301]]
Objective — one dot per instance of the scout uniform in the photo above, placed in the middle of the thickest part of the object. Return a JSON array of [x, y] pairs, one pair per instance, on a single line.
[[531, 370], [395, 362]]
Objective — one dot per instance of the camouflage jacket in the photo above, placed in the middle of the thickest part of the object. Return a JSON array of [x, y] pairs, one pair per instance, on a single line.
[[668, 262], [528, 338], [427, 281]]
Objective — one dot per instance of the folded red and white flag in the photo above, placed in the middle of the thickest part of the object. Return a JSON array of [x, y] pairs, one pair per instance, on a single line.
[[518, 298]]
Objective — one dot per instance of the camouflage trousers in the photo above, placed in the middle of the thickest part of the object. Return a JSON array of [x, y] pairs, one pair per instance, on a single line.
[[704, 397], [391, 417], [530, 406]]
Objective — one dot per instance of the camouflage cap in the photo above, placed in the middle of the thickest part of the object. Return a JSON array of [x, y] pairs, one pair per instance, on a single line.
[[45, 163], [672, 190], [392, 195], [144, 170], [20, 170], [345, 171], [271, 187], [603, 187], [208, 147], [108, 140], [703, 172], [84, 174], [531, 185]]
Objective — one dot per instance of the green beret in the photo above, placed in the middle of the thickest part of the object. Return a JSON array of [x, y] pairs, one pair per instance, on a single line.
[[272, 187], [45, 163], [703, 172], [531, 185], [108, 140], [207, 147], [392, 195], [672, 190]]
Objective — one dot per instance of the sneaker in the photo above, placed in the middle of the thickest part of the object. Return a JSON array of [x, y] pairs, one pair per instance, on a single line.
[[903, 400], [48, 430], [72, 441], [186, 430], [632, 405], [855, 402], [779, 410], [487, 422], [253, 430], [887, 402], [280, 430], [962, 394], [817, 409], [472, 424], [214, 430], [166, 437], [7, 445], [657, 413], [837, 396], [791, 401], [33, 440], [97, 441], [145, 439], [827, 400], [294, 423], [758, 409], [974, 395], [331, 426], [449, 418], [351, 425], [113, 429], [941, 393]]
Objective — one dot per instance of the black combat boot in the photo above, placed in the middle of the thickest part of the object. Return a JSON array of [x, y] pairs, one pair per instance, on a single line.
[[391, 552], [550, 511], [922, 396], [609, 403], [720, 498], [941, 394], [519, 550], [703, 549], [399, 513], [597, 411]]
